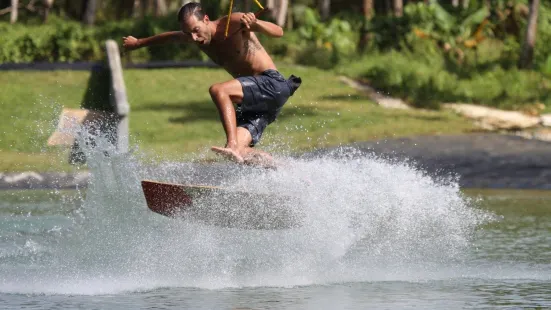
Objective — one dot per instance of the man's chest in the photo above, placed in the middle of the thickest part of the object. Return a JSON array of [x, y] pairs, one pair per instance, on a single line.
[[235, 49]]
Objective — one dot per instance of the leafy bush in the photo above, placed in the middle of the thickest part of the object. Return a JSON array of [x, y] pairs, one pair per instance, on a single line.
[[325, 44], [543, 37], [285, 48], [546, 68], [69, 41], [312, 55], [419, 82], [426, 83]]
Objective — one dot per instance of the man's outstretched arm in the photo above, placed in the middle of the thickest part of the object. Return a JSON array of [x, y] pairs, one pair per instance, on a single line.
[[132, 43], [250, 21]]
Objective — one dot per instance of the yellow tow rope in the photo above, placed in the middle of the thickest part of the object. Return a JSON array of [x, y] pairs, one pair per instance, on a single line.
[[229, 15]]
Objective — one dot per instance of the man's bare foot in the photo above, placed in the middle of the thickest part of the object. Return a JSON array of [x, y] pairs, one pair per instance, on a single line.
[[259, 158], [228, 153]]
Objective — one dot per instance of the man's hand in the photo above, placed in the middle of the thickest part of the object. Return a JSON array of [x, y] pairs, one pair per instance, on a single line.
[[130, 43], [248, 20]]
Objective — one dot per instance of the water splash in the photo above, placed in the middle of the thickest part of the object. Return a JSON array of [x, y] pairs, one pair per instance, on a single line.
[[362, 219]]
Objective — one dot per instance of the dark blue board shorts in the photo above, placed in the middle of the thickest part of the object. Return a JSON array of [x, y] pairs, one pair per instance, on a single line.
[[263, 97]]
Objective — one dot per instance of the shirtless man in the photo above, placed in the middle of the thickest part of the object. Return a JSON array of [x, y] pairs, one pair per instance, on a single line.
[[258, 89]]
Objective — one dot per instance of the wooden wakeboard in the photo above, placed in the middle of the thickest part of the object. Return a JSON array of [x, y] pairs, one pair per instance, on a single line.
[[219, 206], [171, 199]]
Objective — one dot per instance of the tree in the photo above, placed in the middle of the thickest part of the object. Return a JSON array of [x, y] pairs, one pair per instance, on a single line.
[[73, 9], [278, 10], [247, 6], [47, 6], [527, 52], [88, 15], [144, 5], [124, 9], [281, 16], [13, 13], [368, 7], [398, 8], [160, 8], [324, 7]]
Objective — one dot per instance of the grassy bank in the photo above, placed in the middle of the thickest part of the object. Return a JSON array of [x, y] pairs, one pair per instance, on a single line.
[[173, 118]]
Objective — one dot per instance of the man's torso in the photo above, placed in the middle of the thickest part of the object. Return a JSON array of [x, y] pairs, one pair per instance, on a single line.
[[241, 54]]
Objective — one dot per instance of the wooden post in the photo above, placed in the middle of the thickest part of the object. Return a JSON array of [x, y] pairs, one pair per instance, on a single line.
[[118, 96]]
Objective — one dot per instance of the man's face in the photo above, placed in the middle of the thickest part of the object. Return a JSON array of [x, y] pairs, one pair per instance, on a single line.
[[197, 29]]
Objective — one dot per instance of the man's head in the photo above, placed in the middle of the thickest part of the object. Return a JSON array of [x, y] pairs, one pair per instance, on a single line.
[[194, 22]]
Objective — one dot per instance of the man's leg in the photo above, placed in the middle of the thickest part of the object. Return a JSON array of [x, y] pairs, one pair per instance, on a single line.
[[250, 155], [224, 96], [238, 138]]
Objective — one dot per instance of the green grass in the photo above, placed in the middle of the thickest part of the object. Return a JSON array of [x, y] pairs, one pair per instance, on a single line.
[[172, 116], [47, 161]]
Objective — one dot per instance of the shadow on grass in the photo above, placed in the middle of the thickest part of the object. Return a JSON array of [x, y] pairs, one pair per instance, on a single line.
[[203, 110], [96, 98], [97, 90], [430, 118], [206, 111], [345, 98]]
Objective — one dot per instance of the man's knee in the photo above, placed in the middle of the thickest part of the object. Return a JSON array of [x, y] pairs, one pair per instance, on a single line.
[[221, 91]]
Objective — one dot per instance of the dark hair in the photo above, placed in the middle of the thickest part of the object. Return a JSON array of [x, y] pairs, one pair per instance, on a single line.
[[192, 8]]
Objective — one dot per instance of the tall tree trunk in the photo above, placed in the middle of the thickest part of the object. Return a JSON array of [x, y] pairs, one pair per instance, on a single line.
[[270, 5], [455, 3], [14, 10], [144, 4], [465, 4], [398, 8], [324, 7], [89, 12], [368, 7], [289, 21], [72, 10], [388, 6], [184, 2], [527, 53], [278, 10], [160, 8], [282, 12], [47, 6], [125, 9]]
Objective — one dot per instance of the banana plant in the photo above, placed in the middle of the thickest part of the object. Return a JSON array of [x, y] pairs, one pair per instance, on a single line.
[[453, 34], [336, 34]]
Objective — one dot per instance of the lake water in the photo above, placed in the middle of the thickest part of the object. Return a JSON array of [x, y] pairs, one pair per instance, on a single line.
[[373, 235]]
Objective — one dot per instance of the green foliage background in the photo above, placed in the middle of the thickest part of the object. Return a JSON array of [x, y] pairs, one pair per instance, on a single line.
[[433, 53]]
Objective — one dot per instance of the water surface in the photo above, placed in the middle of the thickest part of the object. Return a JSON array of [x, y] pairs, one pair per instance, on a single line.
[[373, 235]]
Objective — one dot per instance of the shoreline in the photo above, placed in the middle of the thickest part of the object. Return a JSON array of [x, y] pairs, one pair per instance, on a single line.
[[482, 160]]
